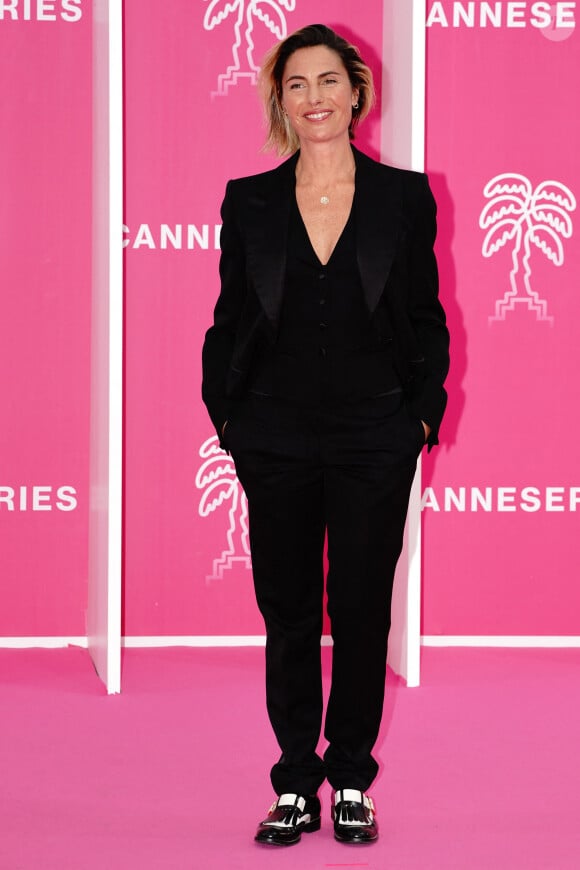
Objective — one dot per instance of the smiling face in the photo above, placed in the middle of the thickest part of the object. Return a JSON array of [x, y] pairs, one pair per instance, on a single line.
[[317, 95]]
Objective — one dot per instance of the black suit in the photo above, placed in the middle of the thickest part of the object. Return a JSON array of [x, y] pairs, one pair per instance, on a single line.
[[341, 468]]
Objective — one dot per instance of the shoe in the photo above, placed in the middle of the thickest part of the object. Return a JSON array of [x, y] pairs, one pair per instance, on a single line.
[[288, 817], [353, 814]]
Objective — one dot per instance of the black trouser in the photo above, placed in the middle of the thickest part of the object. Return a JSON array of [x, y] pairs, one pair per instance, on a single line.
[[346, 470]]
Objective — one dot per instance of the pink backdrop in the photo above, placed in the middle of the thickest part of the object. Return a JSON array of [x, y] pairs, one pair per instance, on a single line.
[[193, 122], [45, 238], [502, 493], [503, 101]]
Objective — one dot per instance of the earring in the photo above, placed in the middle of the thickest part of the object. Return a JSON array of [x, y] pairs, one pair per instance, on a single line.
[[355, 105]]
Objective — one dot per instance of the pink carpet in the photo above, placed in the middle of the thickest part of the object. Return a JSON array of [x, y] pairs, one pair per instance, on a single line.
[[481, 765]]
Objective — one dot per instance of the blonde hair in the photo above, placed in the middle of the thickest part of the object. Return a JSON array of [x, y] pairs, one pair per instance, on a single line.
[[280, 136]]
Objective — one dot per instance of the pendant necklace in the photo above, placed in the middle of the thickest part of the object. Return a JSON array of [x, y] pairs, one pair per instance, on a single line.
[[324, 200]]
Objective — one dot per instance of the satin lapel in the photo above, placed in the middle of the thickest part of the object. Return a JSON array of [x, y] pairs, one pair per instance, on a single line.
[[378, 221], [268, 215]]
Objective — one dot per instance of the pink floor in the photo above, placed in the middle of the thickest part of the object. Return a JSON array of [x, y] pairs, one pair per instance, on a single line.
[[481, 765]]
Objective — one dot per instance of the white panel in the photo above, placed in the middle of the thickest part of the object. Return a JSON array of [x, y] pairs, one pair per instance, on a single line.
[[482, 641], [418, 86], [403, 144], [134, 641], [52, 642], [105, 524]]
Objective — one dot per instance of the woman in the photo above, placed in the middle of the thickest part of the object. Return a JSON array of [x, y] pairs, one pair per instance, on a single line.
[[323, 375]]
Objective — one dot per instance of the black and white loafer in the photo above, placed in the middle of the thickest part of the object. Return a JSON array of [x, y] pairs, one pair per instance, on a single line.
[[353, 814], [288, 817]]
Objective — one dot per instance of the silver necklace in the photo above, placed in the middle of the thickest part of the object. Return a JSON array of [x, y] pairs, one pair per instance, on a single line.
[[324, 200]]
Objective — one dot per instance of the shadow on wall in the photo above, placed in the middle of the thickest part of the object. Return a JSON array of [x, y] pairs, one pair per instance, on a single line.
[[455, 319]]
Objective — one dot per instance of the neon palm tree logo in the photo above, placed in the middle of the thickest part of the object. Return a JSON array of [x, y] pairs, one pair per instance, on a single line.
[[217, 478], [247, 13], [527, 218]]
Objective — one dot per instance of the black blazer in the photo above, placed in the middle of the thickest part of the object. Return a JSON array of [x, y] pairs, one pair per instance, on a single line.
[[395, 230]]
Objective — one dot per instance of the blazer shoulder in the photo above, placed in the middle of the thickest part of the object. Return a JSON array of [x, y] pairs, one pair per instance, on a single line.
[[263, 180]]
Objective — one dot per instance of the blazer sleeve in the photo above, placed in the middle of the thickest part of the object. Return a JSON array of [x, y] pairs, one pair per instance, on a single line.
[[428, 396], [220, 338]]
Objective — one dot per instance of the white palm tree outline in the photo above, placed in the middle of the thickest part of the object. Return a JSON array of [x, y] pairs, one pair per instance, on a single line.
[[527, 217], [217, 477], [269, 12]]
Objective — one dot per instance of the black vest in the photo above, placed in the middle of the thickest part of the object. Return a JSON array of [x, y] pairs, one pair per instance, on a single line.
[[327, 349]]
